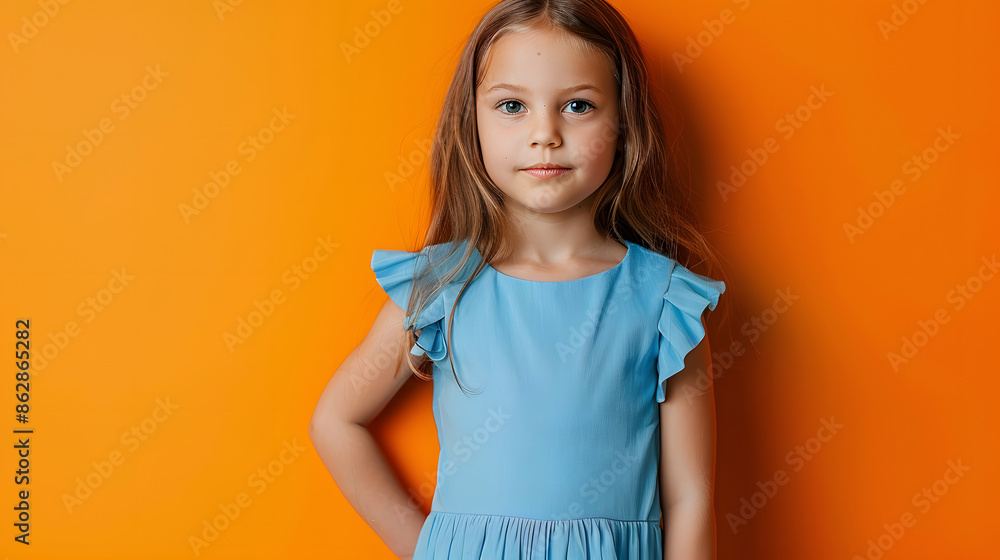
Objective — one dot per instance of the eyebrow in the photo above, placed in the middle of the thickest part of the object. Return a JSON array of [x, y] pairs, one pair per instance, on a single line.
[[524, 90]]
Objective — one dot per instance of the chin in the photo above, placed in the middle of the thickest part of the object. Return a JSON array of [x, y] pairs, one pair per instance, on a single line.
[[543, 202]]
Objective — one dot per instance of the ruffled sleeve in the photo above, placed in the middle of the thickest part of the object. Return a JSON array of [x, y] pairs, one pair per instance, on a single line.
[[685, 298], [394, 271]]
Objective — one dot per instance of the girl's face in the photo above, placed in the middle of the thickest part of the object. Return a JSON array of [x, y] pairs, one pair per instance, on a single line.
[[545, 99]]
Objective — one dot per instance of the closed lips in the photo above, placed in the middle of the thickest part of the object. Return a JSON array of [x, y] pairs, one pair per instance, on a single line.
[[546, 166], [545, 170]]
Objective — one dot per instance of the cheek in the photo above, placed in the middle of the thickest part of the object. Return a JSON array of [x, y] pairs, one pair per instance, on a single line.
[[495, 143], [597, 146]]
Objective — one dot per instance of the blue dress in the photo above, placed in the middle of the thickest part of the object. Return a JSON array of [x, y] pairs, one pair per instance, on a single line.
[[557, 455]]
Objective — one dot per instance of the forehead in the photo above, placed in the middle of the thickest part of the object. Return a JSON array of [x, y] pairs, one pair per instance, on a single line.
[[546, 59]]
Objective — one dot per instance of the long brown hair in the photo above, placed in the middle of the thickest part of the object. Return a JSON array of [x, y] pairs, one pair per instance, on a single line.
[[641, 200]]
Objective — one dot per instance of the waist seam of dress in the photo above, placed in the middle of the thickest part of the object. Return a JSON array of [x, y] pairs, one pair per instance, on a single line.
[[657, 523]]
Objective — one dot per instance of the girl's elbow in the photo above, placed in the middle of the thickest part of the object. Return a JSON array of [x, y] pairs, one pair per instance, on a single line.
[[314, 428], [320, 425], [328, 427]]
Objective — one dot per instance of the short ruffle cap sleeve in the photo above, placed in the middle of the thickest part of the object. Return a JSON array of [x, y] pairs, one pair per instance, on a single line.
[[681, 329], [394, 271]]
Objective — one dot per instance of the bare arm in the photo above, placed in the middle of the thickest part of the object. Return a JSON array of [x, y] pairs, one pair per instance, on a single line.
[[687, 463], [358, 391]]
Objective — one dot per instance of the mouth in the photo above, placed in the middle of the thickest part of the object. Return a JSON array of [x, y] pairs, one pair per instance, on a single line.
[[546, 170]]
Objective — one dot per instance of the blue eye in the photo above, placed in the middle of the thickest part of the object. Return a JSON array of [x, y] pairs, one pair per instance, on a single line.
[[579, 102], [512, 107], [507, 104]]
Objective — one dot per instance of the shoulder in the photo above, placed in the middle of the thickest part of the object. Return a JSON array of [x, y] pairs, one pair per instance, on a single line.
[[399, 258], [428, 251], [396, 269], [650, 269], [665, 274], [649, 257]]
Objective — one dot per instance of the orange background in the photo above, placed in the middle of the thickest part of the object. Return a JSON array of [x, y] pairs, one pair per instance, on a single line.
[[322, 175]]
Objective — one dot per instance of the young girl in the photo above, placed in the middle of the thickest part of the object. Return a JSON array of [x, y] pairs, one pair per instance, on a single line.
[[548, 313]]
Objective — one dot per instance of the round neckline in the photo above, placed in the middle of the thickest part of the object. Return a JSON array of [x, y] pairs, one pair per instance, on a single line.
[[621, 263]]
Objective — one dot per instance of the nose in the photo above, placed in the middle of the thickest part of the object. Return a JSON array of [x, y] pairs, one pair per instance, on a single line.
[[545, 130]]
